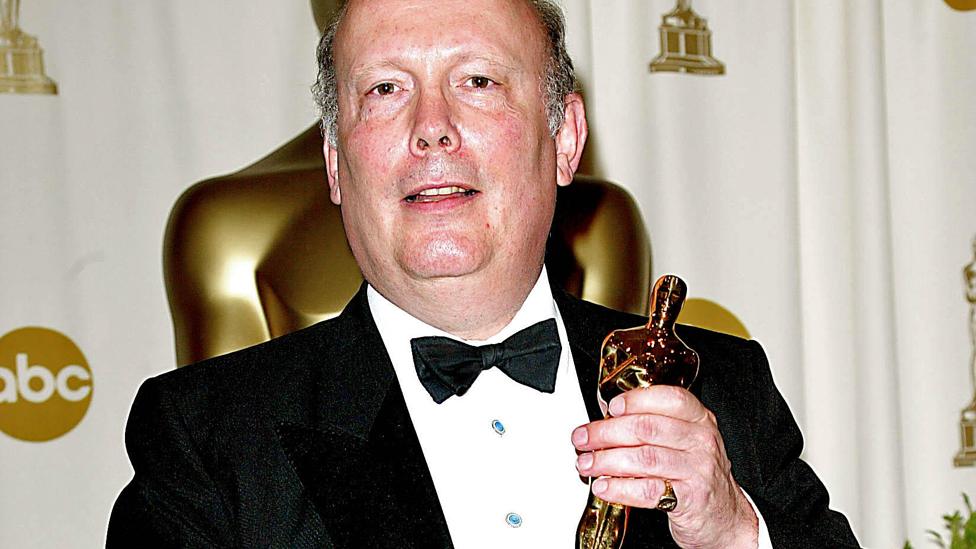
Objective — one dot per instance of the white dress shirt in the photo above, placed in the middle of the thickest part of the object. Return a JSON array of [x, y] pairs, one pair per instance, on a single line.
[[500, 456]]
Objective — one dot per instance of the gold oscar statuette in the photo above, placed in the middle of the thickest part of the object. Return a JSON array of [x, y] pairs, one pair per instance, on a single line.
[[629, 359], [21, 58], [967, 422]]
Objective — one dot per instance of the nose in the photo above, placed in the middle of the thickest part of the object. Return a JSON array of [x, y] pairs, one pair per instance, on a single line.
[[434, 129]]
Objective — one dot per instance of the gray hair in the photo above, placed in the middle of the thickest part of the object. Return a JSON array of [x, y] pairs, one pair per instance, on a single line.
[[558, 82]]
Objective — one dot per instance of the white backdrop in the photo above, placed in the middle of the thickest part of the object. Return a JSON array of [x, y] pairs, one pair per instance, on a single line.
[[153, 96], [822, 190]]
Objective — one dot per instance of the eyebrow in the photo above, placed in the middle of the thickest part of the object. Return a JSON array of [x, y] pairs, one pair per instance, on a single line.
[[491, 60], [362, 71]]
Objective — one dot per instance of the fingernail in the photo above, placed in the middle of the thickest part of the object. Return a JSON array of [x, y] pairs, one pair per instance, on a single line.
[[580, 436], [617, 406], [584, 461], [599, 486]]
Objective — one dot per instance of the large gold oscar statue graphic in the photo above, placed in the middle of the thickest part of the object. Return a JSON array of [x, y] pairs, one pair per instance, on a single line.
[[967, 423], [21, 58], [686, 43], [632, 358]]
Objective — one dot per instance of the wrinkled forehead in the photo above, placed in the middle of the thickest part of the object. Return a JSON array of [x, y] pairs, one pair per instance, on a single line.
[[376, 31]]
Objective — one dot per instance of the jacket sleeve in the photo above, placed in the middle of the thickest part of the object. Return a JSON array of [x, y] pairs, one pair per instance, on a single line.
[[791, 498], [172, 501]]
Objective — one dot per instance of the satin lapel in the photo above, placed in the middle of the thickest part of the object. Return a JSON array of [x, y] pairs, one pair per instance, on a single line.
[[359, 459], [585, 339], [587, 370]]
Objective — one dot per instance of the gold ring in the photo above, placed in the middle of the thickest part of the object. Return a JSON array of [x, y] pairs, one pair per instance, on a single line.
[[668, 500]]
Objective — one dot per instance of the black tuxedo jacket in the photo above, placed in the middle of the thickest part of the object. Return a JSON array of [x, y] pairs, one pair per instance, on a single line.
[[305, 441]]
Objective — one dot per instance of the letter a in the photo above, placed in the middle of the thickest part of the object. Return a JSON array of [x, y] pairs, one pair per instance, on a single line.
[[24, 375], [9, 392]]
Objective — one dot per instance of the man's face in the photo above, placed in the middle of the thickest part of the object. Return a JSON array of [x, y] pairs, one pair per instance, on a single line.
[[445, 166]]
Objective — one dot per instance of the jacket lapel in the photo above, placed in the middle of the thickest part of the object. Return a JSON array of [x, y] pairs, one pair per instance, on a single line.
[[358, 457]]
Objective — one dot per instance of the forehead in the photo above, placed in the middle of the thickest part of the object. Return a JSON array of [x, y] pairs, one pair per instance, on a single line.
[[381, 30]]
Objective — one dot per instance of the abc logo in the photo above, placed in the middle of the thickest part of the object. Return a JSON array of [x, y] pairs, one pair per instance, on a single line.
[[45, 384]]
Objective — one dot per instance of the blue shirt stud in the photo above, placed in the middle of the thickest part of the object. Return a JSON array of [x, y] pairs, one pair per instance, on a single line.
[[498, 427], [513, 519]]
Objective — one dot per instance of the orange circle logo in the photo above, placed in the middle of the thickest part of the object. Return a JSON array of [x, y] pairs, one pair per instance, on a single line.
[[45, 384], [962, 5]]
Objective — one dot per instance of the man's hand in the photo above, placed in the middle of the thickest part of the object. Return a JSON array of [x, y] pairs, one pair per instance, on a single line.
[[659, 433]]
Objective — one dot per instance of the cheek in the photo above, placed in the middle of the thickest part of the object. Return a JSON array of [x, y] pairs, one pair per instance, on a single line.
[[375, 140], [372, 156], [503, 142], [366, 175], [371, 147], [518, 151], [511, 127]]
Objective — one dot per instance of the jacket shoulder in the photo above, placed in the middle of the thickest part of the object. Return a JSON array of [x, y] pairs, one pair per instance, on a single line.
[[261, 380]]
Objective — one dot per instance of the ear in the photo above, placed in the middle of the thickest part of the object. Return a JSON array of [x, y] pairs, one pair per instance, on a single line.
[[331, 155], [570, 139]]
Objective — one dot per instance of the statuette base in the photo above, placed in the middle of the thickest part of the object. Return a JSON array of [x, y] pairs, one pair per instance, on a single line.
[[967, 433], [22, 66]]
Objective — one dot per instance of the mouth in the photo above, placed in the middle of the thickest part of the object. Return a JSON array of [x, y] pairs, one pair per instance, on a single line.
[[437, 194]]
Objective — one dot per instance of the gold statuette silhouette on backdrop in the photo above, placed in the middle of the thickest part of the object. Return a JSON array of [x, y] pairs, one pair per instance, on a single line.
[[967, 422], [686, 43], [629, 359], [21, 58]]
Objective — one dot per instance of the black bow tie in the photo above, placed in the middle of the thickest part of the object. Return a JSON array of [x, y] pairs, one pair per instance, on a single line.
[[449, 367]]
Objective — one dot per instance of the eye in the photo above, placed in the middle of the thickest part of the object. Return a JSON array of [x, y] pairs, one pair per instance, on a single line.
[[384, 88], [480, 82]]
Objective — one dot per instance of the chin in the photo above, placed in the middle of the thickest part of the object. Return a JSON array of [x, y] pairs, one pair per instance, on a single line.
[[443, 258]]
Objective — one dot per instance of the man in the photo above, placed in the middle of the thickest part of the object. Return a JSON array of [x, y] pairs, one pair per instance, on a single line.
[[449, 125]]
